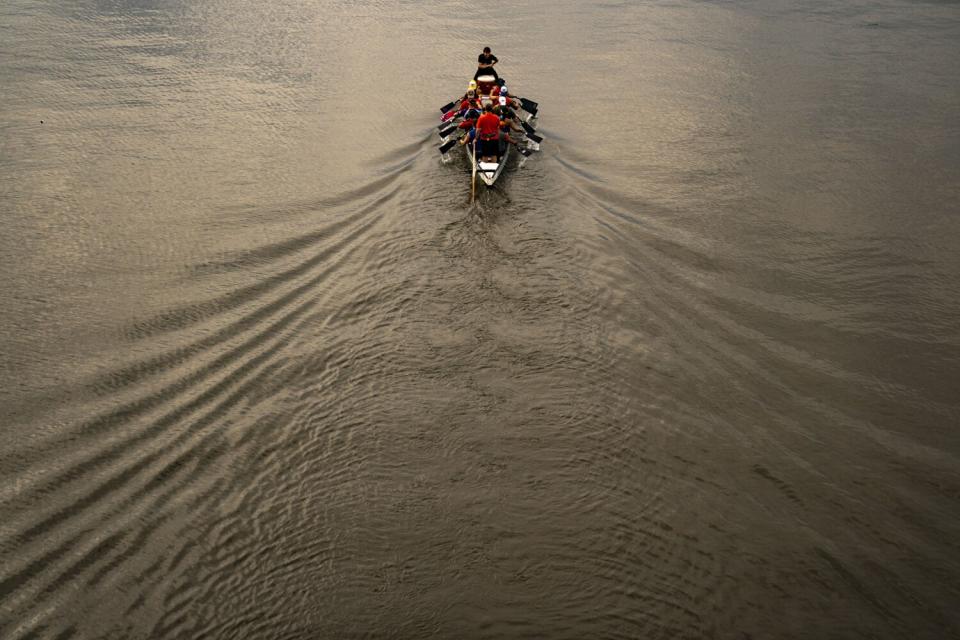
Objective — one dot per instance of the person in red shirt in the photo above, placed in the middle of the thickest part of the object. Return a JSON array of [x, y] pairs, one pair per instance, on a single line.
[[488, 130], [470, 101]]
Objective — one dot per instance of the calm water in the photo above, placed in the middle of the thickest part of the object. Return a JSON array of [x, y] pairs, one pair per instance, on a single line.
[[692, 371]]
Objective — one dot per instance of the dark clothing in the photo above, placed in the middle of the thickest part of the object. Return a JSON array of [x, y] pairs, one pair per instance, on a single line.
[[488, 71], [488, 148], [508, 119]]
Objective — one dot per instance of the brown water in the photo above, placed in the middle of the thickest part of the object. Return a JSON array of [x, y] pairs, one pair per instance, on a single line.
[[691, 371]]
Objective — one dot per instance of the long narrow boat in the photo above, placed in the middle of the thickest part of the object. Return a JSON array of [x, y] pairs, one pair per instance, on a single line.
[[489, 171]]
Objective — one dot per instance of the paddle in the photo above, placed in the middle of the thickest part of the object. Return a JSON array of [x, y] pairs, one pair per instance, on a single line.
[[527, 127], [447, 107], [473, 179], [534, 142], [446, 146], [445, 132]]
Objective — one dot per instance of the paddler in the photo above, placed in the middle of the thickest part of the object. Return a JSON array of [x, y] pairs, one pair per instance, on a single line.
[[508, 119], [485, 62], [470, 100], [471, 133], [471, 87], [488, 130], [513, 103]]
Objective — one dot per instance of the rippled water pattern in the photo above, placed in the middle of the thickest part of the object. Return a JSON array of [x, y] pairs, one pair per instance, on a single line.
[[689, 372]]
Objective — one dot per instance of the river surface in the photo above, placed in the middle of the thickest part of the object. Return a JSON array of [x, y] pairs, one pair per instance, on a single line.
[[691, 371]]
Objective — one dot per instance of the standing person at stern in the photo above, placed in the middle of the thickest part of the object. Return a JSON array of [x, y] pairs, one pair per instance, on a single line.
[[485, 62]]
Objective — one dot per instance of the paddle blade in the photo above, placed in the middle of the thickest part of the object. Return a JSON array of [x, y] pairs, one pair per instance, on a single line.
[[450, 115], [524, 152], [446, 146], [527, 127], [529, 105], [535, 137], [447, 107], [450, 129]]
